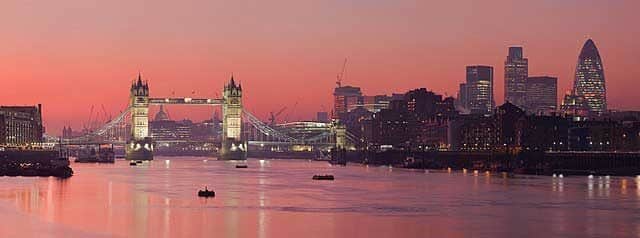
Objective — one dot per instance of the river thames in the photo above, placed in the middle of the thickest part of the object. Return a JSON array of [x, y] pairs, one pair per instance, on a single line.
[[278, 198]]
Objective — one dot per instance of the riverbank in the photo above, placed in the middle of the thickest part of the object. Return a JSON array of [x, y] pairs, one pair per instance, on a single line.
[[42, 163], [533, 163]]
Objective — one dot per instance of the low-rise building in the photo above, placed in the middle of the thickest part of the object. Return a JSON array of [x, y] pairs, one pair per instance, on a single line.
[[21, 125]]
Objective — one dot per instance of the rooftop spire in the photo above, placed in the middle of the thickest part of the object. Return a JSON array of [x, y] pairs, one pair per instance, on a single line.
[[139, 79], [233, 82]]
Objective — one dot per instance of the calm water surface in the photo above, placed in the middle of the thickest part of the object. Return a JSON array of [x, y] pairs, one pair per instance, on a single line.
[[277, 198]]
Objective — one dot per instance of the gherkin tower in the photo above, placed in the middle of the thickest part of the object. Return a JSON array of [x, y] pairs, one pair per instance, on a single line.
[[589, 79]]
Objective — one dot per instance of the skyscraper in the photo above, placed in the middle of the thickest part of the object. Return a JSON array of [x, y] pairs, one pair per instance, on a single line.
[[479, 88], [589, 81], [542, 95], [516, 70]]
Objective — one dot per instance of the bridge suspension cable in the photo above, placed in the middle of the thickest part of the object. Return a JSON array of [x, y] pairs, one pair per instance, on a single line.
[[265, 129]]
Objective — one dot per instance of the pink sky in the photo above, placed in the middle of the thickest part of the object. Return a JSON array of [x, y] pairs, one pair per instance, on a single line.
[[69, 55]]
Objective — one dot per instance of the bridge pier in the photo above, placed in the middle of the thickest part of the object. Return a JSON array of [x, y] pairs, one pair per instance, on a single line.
[[234, 145]]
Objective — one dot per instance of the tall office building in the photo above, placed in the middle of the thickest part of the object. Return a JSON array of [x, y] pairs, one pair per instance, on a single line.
[[589, 81], [479, 89], [516, 71], [345, 99], [541, 96]]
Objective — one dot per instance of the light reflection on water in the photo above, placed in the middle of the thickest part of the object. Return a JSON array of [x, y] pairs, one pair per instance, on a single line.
[[277, 198]]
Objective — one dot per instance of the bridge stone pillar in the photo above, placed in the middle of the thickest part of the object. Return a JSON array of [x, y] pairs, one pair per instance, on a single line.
[[341, 136], [140, 145], [234, 146]]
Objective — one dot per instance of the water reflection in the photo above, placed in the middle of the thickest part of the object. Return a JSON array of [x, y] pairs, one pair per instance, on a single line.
[[277, 198], [557, 184]]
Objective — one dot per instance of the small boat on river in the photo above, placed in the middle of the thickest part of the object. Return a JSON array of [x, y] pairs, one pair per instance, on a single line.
[[206, 193]]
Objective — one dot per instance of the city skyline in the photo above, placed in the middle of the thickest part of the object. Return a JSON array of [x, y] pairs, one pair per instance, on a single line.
[[84, 54], [306, 118]]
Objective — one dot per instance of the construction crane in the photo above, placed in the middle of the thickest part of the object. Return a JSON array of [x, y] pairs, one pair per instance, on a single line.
[[272, 118], [107, 116], [87, 126], [340, 76], [286, 118]]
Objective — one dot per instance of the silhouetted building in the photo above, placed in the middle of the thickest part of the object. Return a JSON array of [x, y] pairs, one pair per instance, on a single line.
[[479, 89], [516, 71], [630, 136], [506, 118], [589, 79], [462, 102], [20, 125], [322, 117], [541, 95], [427, 104], [574, 105], [389, 129], [472, 133], [68, 133], [543, 133], [596, 136], [161, 115], [375, 103], [417, 121]]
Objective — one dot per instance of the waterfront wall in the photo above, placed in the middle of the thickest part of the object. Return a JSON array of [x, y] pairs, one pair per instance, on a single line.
[[538, 162]]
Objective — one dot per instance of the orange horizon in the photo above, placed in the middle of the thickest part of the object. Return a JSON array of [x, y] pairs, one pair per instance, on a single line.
[[74, 54]]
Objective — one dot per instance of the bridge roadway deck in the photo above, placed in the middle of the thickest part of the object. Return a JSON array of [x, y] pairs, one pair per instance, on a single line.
[[186, 101], [249, 142]]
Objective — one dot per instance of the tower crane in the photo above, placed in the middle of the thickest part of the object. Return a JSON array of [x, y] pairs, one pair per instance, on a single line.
[[272, 118], [286, 118], [340, 75], [87, 126]]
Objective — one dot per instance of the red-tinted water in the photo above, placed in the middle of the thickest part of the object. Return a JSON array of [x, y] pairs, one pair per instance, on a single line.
[[278, 198]]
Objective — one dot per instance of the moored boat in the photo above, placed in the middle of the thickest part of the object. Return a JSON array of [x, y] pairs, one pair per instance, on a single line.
[[323, 177], [91, 155]]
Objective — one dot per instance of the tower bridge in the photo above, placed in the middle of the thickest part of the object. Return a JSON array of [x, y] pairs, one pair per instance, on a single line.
[[140, 145], [235, 139]]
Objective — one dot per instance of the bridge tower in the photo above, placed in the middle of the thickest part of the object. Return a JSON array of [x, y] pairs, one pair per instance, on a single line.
[[140, 145], [234, 146]]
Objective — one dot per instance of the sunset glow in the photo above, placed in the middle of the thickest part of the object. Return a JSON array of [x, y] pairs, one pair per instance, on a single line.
[[74, 54]]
